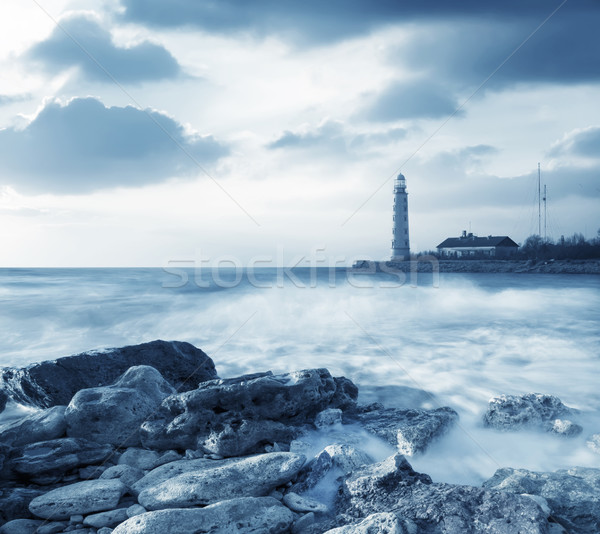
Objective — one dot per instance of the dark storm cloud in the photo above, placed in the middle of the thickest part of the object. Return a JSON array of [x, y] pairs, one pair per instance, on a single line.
[[409, 100], [85, 146], [144, 61], [316, 20], [581, 143]]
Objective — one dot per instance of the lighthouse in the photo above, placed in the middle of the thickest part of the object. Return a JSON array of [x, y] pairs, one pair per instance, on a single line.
[[400, 240]]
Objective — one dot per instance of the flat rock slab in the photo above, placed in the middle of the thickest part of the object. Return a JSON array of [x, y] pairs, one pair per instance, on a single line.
[[533, 411], [572, 494], [79, 498], [393, 486], [112, 414], [246, 515], [40, 426], [410, 431], [55, 382], [58, 456], [253, 476]]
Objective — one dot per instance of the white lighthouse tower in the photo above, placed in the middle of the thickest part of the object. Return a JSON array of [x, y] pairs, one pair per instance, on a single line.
[[400, 240]]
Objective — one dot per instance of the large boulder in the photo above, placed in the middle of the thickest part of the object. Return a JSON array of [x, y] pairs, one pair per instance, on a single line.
[[572, 494], [254, 476], [55, 382], [81, 498], [55, 457], [245, 515], [113, 414], [533, 411], [240, 415], [393, 486], [409, 430], [39, 426]]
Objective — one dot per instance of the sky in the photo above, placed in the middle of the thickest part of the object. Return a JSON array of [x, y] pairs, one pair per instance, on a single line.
[[153, 133]]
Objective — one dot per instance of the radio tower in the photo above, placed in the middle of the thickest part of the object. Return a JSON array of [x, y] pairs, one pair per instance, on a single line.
[[400, 240]]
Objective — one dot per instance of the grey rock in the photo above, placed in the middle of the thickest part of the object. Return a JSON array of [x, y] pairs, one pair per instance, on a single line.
[[411, 431], [253, 476], [20, 526], [533, 411], [171, 470], [572, 494], [76, 519], [104, 530], [593, 443], [140, 458], [564, 427], [245, 515], [41, 426], [329, 417], [3, 400], [58, 456], [347, 458], [264, 406], [79, 498], [125, 473], [393, 486], [110, 518], [53, 527], [299, 503], [14, 503], [55, 382], [380, 523], [135, 509], [94, 471], [113, 414], [303, 523]]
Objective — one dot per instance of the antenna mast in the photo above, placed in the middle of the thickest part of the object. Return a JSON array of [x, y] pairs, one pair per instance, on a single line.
[[539, 203], [545, 212]]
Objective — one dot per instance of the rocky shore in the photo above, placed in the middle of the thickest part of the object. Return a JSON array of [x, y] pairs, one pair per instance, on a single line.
[[427, 264], [147, 439]]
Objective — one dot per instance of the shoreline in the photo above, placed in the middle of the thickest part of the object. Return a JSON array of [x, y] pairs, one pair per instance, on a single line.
[[427, 264]]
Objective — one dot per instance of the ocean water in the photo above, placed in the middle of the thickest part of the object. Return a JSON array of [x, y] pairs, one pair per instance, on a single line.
[[457, 340]]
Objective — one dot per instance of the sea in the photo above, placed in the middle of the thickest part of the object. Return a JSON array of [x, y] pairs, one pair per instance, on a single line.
[[407, 340]]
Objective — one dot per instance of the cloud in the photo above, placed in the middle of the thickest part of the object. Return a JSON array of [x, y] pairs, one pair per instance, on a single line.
[[81, 42], [333, 136], [466, 52], [409, 100], [584, 143], [318, 21], [84, 146]]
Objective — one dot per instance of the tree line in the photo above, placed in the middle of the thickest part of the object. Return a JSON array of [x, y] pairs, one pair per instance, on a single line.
[[575, 247]]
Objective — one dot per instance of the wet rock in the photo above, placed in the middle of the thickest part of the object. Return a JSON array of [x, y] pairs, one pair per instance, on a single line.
[[40, 426], [245, 515], [111, 518], [253, 476], [593, 443], [79, 498], [264, 406], [532, 411], [572, 494], [564, 427], [55, 457], [55, 382], [14, 503], [411, 431], [299, 503], [53, 527], [125, 473], [393, 486], [113, 414], [329, 417], [21, 526], [303, 523], [381, 523], [173, 469], [140, 458]]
